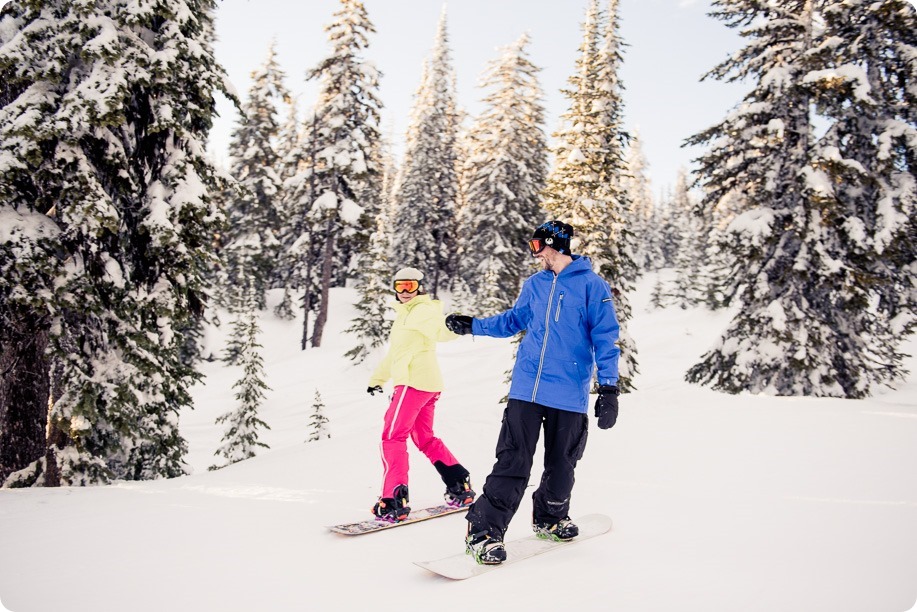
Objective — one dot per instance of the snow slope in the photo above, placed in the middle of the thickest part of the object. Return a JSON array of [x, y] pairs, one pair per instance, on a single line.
[[720, 503]]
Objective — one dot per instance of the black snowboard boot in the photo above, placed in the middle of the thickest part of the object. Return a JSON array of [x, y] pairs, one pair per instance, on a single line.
[[460, 494], [485, 548], [563, 530], [458, 484], [393, 509]]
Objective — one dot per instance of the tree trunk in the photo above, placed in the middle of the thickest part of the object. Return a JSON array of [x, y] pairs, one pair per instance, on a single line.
[[322, 317], [306, 306], [307, 296], [24, 388]]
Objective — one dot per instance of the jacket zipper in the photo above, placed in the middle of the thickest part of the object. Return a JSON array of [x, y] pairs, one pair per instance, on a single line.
[[560, 300], [544, 344]]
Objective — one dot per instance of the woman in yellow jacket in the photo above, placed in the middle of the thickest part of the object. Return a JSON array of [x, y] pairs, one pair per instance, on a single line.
[[412, 366]]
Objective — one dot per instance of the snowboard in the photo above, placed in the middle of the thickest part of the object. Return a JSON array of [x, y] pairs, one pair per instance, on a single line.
[[462, 565], [416, 516]]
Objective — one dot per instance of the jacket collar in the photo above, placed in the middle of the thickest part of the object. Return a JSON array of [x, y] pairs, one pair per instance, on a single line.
[[420, 299], [579, 265]]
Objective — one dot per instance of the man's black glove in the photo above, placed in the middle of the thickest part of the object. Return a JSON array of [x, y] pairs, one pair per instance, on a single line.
[[606, 406], [459, 324], [374, 390]]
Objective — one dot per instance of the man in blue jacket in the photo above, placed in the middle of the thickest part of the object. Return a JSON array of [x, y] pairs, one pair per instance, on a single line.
[[571, 328]]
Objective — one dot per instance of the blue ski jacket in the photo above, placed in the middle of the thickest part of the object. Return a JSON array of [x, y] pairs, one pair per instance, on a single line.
[[571, 329]]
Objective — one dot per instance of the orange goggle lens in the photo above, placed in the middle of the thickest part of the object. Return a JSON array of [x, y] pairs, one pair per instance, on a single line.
[[536, 245], [406, 286]]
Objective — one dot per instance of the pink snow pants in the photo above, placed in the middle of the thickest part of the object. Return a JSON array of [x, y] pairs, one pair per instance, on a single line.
[[409, 414]]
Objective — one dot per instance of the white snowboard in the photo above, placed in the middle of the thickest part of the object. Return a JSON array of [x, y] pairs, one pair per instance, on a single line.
[[461, 566]]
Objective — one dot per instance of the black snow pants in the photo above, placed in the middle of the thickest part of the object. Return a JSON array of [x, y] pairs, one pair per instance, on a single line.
[[564, 442]]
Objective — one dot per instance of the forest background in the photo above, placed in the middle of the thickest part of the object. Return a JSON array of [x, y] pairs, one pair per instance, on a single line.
[[122, 240]]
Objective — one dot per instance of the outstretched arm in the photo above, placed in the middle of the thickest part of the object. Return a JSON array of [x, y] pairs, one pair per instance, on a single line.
[[509, 322]]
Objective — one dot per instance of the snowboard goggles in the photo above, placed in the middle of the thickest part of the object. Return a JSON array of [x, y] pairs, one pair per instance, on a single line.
[[536, 245], [406, 286]]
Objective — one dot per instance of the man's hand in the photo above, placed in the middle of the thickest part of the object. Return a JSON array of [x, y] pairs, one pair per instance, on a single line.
[[374, 390], [459, 324], [606, 406]]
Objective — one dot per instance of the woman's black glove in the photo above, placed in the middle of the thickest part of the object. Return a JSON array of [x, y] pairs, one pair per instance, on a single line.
[[606, 406], [374, 390], [459, 324]]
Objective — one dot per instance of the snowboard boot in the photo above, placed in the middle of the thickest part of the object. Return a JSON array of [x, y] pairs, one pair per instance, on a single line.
[[563, 530], [393, 509], [459, 494], [486, 549], [458, 484]]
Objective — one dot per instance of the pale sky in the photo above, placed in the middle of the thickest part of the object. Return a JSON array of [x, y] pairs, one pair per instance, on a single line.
[[672, 43]]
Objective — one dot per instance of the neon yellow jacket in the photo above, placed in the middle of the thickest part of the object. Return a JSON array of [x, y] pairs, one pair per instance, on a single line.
[[411, 357]]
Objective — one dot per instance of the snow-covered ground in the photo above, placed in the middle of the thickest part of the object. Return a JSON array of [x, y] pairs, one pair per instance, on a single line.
[[720, 503]]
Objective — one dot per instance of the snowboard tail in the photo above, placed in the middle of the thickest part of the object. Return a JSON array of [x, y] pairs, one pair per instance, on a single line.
[[462, 565], [416, 516]]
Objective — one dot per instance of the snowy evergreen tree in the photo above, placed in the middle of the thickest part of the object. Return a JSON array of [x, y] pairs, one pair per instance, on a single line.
[[289, 144], [666, 230], [686, 289], [106, 107], [866, 168], [301, 247], [427, 196], [318, 423], [463, 300], [254, 215], [585, 186], [806, 326], [372, 323], [641, 216], [323, 216], [290, 150], [689, 260], [240, 439], [722, 272], [502, 176]]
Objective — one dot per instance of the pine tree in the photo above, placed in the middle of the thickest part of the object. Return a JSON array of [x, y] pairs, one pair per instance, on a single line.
[[585, 187], [341, 140], [318, 423], [301, 243], [106, 109], [253, 216], [722, 272], [686, 289], [805, 326], [502, 176], [867, 161], [636, 184], [666, 230], [370, 262], [372, 323], [428, 188], [241, 436], [28, 266], [287, 270]]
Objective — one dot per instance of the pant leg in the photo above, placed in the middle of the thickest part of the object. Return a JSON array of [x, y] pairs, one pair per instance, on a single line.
[[397, 425], [505, 486], [564, 442], [425, 440]]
